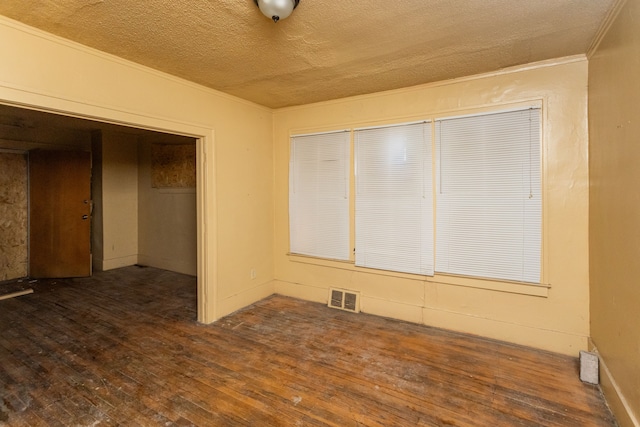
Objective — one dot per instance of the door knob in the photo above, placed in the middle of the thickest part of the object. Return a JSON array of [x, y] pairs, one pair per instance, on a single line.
[[85, 216]]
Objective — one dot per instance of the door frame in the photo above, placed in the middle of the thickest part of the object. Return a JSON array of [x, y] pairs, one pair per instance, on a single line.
[[206, 216]]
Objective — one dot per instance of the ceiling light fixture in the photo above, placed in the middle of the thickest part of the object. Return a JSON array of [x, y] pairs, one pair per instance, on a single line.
[[276, 9]]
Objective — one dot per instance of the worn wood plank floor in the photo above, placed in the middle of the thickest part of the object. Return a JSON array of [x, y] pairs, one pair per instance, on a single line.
[[123, 348]]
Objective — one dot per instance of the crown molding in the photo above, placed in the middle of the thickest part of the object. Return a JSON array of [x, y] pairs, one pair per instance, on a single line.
[[606, 24]]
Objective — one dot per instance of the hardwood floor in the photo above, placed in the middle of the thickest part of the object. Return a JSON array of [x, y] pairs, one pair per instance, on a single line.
[[123, 348]]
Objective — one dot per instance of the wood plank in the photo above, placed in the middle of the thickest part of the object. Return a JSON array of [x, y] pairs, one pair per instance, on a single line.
[[123, 348], [16, 294]]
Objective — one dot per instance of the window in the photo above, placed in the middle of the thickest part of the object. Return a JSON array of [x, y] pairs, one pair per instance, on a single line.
[[482, 217], [319, 195], [489, 195], [394, 198]]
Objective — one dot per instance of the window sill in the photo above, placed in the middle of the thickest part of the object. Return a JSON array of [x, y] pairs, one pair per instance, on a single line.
[[531, 289]]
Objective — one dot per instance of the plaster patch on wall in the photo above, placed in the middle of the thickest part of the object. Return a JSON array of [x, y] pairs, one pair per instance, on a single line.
[[13, 216], [173, 166]]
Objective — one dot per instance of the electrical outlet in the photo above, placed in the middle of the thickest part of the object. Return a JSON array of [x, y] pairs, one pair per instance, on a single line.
[[252, 273]]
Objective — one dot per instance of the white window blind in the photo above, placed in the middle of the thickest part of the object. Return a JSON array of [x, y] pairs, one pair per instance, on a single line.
[[394, 198], [319, 195], [488, 197]]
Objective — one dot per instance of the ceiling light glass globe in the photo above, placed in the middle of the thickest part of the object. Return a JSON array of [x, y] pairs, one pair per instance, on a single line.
[[276, 9]]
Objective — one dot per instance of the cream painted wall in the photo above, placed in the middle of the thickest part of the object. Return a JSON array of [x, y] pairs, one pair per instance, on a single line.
[[614, 91], [119, 176], [554, 318], [245, 212], [167, 226], [234, 148]]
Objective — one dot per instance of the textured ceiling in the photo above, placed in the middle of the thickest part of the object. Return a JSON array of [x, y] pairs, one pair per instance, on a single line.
[[325, 49]]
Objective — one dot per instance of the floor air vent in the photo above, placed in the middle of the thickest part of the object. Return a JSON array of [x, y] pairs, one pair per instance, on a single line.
[[344, 300]]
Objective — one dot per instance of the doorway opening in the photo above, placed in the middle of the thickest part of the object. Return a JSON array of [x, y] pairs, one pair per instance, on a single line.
[[135, 217]]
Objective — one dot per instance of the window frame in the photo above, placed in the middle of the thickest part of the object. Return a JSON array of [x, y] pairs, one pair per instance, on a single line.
[[509, 286]]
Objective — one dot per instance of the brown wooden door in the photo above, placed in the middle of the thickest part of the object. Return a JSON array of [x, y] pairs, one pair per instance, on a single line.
[[60, 214]]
